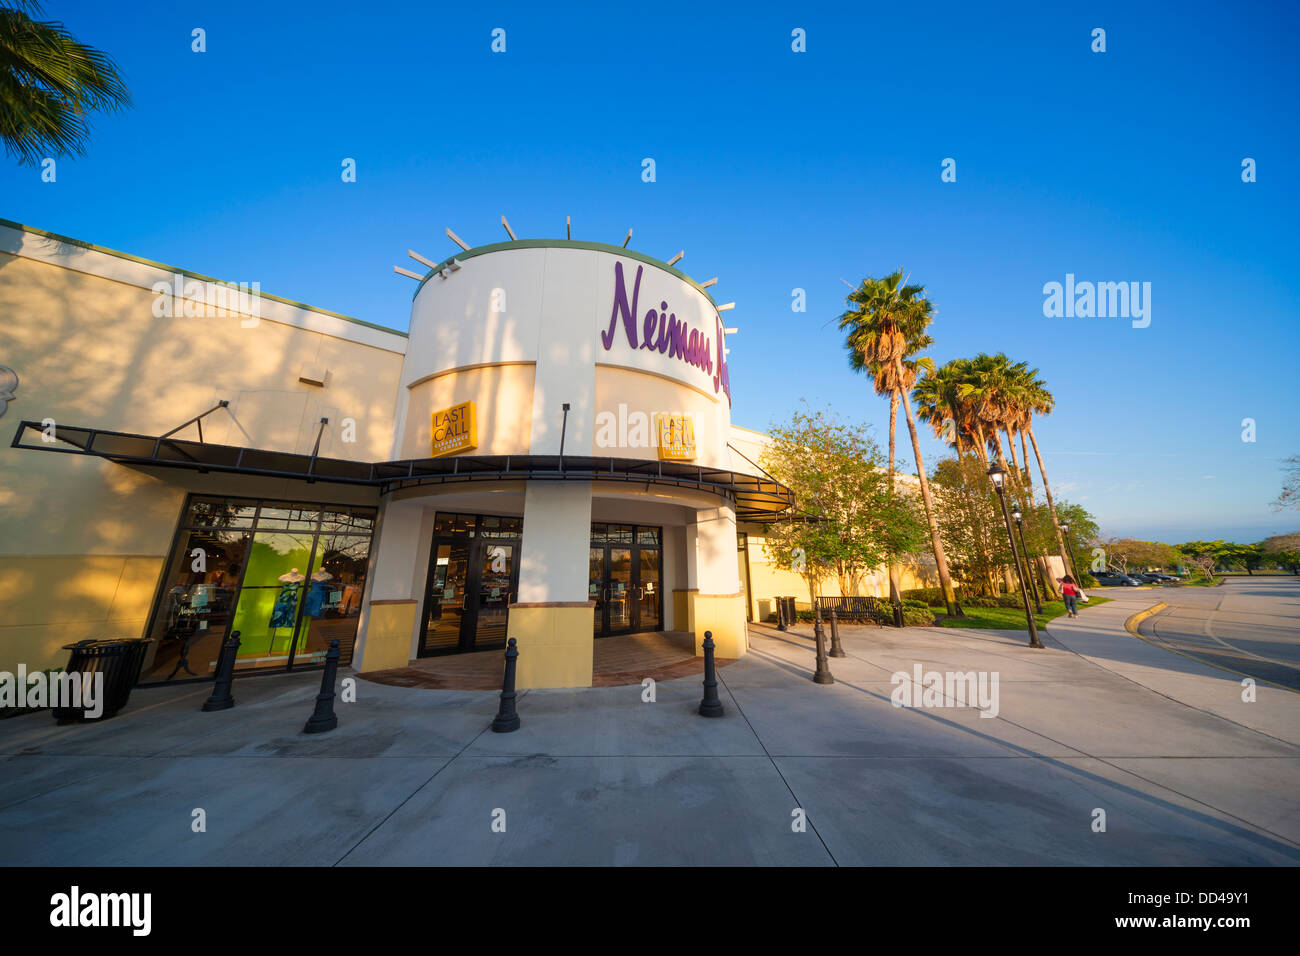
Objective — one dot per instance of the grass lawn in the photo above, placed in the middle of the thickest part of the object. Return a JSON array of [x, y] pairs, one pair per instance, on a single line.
[[1009, 618]]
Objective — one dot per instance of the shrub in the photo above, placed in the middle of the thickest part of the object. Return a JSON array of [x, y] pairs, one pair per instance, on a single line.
[[917, 616], [929, 597]]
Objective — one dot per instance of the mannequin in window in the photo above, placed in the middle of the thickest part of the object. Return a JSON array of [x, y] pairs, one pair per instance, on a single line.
[[287, 601], [318, 592]]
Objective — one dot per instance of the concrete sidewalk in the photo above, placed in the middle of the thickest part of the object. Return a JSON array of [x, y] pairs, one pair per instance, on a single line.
[[1099, 636], [597, 776]]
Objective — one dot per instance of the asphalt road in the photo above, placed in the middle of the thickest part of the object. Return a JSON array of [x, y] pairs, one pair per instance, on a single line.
[[1248, 625]]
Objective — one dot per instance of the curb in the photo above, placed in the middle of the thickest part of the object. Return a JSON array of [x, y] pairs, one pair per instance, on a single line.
[[1131, 625]]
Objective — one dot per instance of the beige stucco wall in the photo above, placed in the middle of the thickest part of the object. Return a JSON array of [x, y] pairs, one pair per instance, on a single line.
[[503, 407], [82, 540], [768, 581]]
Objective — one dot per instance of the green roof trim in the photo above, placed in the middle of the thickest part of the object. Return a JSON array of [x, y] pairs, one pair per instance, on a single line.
[[566, 244], [193, 275]]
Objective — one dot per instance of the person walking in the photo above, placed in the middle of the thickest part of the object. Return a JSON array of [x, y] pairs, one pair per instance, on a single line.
[[1070, 591]]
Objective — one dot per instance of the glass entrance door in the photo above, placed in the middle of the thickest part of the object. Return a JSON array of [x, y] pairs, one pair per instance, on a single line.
[[445, 601], [620, 609], [497, 577], [624, 578], [648, 590], [473, 578]]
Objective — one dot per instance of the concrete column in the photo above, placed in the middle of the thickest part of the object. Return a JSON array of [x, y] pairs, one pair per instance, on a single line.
[[719, 605], [552, 620], [387, 628]]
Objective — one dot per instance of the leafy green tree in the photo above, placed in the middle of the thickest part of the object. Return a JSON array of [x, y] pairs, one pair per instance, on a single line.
[[852, 521], [1123, 553], [1203, 555], [1082, 536], [970, 519], [1283, 550], [1245, 556], [49, 82]]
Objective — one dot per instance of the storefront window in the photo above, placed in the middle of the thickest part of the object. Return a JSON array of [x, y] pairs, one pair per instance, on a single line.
[[198, 597], [220, 513], [288, 576], [279, 568]]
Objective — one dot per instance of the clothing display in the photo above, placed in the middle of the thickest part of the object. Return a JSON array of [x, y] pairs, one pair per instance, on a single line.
[[351, 599], [286, 604], [316, 598]]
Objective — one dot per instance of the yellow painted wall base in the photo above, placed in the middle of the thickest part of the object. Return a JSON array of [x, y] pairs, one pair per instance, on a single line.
[[684, 608], [388, 636], [556, 644], [52, 600], [724, 615]]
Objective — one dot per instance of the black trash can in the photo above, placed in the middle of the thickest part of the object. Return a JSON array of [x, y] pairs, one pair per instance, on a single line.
[[118, 660], [791, 615]]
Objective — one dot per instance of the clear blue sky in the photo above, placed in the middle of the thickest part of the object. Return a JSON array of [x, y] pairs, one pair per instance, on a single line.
[[775, 170]]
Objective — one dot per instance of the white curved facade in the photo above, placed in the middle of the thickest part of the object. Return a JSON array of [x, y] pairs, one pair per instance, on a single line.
[[565, 313], [522, 329]]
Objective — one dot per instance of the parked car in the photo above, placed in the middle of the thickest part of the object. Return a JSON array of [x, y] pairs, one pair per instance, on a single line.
[[1144, 577], [1113, 579], [1162, 576]]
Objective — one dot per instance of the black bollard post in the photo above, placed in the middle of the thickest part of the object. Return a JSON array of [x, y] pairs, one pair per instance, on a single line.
[[221, 698], [780, 614], [324, 718], [837, 649], [710, 706], [506, 719], [823, 673], [898, 615]]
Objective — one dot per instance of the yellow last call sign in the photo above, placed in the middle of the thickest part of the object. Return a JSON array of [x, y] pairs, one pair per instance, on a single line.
[[452, 430], [676, 438]]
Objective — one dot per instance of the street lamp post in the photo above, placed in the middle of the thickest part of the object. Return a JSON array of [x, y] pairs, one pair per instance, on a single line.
[[1069, 546], [998, 476], [1020, 529]]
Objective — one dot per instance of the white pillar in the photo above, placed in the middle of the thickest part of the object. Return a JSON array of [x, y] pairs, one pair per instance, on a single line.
[[557, 537], [386, 632], [552, 619], [717, 604]]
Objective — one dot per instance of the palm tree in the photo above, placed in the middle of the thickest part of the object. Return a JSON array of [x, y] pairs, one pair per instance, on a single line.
[[885, 320], [48, 83], [995, 389], [888, 382], [938, 401], [1039, 401]]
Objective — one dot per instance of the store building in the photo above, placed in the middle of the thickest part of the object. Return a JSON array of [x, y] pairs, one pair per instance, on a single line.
[[547, 455]]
